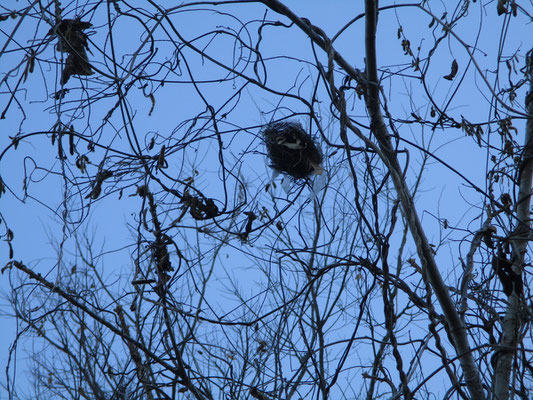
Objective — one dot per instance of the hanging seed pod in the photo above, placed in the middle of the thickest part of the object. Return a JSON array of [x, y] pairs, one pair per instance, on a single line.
[[291, 150]]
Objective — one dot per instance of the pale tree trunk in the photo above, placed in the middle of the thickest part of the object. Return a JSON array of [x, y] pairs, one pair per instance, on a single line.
[[456, 326], [519, 238]]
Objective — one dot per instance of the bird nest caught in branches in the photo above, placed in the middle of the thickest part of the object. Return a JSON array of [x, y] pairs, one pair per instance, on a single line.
[[291, 150]]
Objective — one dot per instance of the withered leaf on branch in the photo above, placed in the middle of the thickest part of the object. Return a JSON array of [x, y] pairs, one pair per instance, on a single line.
[[507, 203], [199, 208], [70, 34], [161, 161], [453, 73], [81, 162], [5, 17], [97, 186], [248, 228], [73, 41], [161, 255], [76, 64], [406, 46], [30, 64], [152, 99], [510, 280], [60, 94], [15, 141], [501, 7], [487, 236]]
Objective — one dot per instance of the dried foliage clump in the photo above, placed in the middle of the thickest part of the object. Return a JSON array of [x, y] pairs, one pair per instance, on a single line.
[[291, 150], [199, 208], [73, 41]]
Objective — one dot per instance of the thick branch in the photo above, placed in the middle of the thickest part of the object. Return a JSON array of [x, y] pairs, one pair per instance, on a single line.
[[457, 328]]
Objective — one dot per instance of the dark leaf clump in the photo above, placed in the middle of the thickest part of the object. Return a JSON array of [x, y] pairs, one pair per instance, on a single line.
[[510, 280], [453, 72], [291, 150], [73, 41], [200, 208], [161, 255]]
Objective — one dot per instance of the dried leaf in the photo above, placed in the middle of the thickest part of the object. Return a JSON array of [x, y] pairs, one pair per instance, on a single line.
[[15, 141], [9, 265], [30, 65], [72, 40], [60, 94], [406, 46], [97, 186], [500, 7], [81, 163], [161, 161], [76, 64], [453, 73], [95, 192], [60, 153], [152, 99]]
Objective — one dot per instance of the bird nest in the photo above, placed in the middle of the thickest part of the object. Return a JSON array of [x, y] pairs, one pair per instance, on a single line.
[[292, 150]]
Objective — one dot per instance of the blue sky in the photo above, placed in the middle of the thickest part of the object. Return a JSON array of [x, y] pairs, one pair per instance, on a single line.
[[37, 225]]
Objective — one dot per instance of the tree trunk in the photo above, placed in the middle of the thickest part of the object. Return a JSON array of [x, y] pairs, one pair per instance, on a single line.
[[511, 324], [456, 325]]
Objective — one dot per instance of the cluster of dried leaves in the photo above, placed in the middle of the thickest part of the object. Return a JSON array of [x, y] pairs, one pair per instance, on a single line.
[[73, 41]]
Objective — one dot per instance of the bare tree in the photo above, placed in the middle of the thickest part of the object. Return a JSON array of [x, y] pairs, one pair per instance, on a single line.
[[310, 208]]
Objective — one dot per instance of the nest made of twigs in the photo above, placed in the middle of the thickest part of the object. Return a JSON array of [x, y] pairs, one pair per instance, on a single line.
[[292, 150]]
